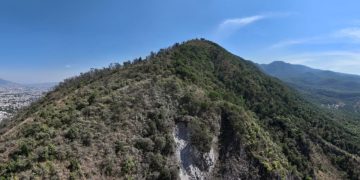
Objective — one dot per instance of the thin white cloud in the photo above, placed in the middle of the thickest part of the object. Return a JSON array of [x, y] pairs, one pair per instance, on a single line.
[[229, 26], [68, 66], [325, 39], [240, 22], [344, 36], [352, 33], [292, 42]]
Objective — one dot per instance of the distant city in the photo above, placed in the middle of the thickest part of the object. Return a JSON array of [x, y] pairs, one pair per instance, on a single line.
[[14, 98]]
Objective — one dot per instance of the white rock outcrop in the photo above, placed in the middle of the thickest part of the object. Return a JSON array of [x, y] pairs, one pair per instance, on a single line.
[[188, 157]]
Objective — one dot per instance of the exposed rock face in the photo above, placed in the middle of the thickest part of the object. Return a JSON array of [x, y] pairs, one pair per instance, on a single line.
[[193, 164]]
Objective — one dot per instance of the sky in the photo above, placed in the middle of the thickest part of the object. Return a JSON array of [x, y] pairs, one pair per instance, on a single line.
[[49, 40]]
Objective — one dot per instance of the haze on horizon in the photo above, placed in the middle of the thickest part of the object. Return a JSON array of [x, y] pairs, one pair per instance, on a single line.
[[47, 41]]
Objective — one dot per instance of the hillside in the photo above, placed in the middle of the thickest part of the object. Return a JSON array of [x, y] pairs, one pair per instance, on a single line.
[[326, 88], [191, 111]]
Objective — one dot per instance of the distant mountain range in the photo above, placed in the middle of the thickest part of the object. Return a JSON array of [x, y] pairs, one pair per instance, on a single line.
[[327, 88], [9, 84], [5, 83]]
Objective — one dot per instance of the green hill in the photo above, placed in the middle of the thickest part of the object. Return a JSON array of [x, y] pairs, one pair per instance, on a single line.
[[191, 111]]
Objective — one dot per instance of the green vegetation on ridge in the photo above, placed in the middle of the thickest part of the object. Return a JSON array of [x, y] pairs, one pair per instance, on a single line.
[[118, 123]]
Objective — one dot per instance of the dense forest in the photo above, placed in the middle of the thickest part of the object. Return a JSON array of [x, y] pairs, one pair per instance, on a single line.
[[119, 123]]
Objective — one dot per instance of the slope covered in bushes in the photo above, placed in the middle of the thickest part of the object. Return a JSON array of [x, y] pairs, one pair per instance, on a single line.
[[119, 122]]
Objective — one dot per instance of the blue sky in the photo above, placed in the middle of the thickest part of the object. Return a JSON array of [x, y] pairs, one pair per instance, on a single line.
[[48, 40]]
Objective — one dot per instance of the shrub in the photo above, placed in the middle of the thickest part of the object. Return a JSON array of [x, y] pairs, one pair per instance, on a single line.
[[52, 170], [145, 144], [24, 149], [91, 99], [42, 154], [156, 161], [36, 130], [80, 105], [17, 166], [169, 146], [107, 167], [214, 96], [55, 122], [128, 165], [160, 143], [119, 146], [72, 133], [168, 174], [74, 165], [86, 138], [46, 153], [66, 119], [200, 136]]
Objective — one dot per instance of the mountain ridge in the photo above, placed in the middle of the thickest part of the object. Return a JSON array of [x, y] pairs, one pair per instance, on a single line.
[[326, 88], [304, 69], [5, 83], [192, 110]]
